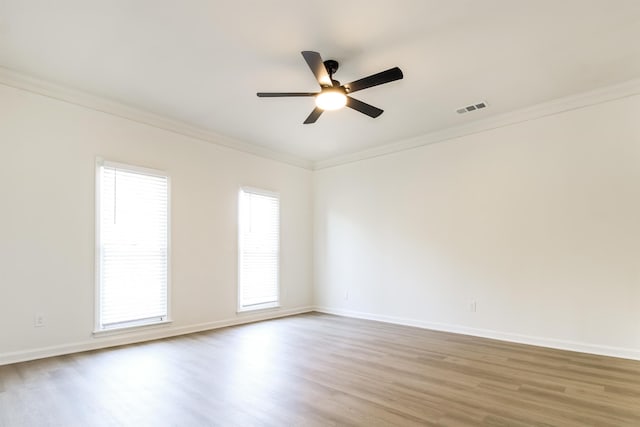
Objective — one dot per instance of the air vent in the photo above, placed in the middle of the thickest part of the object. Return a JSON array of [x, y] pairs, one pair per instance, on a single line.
[[473, 107]]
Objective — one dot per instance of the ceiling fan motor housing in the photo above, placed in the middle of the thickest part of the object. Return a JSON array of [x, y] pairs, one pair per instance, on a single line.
[[331, 66]]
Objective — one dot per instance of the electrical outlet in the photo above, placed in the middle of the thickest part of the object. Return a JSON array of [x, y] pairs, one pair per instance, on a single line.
[[38, 320], [346, 295], [473, 306]]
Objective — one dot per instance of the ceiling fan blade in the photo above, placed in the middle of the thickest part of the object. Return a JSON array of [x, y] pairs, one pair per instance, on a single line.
[[281, 94], [363, 107], [382, 77], [313, 116], [314, 61]]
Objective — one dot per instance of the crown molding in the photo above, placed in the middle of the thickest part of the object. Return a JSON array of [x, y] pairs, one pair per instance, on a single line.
[[41, 87], [557, 106], [31, 84]]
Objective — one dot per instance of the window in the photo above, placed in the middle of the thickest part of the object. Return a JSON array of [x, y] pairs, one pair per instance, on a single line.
[[259, 247], [132, 246]]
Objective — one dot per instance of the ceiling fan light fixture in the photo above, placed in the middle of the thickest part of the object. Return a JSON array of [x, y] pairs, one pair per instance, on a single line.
[[331, 99], [332, 95]]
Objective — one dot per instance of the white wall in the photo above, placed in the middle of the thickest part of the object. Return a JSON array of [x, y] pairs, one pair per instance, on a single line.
[[538, 222], [48, 150]]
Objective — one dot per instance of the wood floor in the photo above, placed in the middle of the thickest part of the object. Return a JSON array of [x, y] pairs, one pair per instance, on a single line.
[[322, 370]]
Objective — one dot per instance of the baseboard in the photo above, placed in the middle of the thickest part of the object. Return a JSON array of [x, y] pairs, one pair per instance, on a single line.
[[624, 353], [151, 334], [168, 331]]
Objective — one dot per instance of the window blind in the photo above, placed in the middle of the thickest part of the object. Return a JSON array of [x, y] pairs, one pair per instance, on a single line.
[[259, 246], [133, 247]]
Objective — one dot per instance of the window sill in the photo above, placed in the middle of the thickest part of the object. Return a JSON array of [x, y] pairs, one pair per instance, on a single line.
[[129, 329], [258, 309]]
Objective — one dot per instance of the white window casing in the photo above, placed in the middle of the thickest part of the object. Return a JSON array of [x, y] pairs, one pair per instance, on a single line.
[[132, 246]]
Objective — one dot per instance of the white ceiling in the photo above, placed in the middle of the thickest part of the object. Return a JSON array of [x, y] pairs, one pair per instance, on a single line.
[[202, 61]]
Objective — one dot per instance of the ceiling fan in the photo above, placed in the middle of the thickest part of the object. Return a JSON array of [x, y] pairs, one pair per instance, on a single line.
[[332, 95]]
